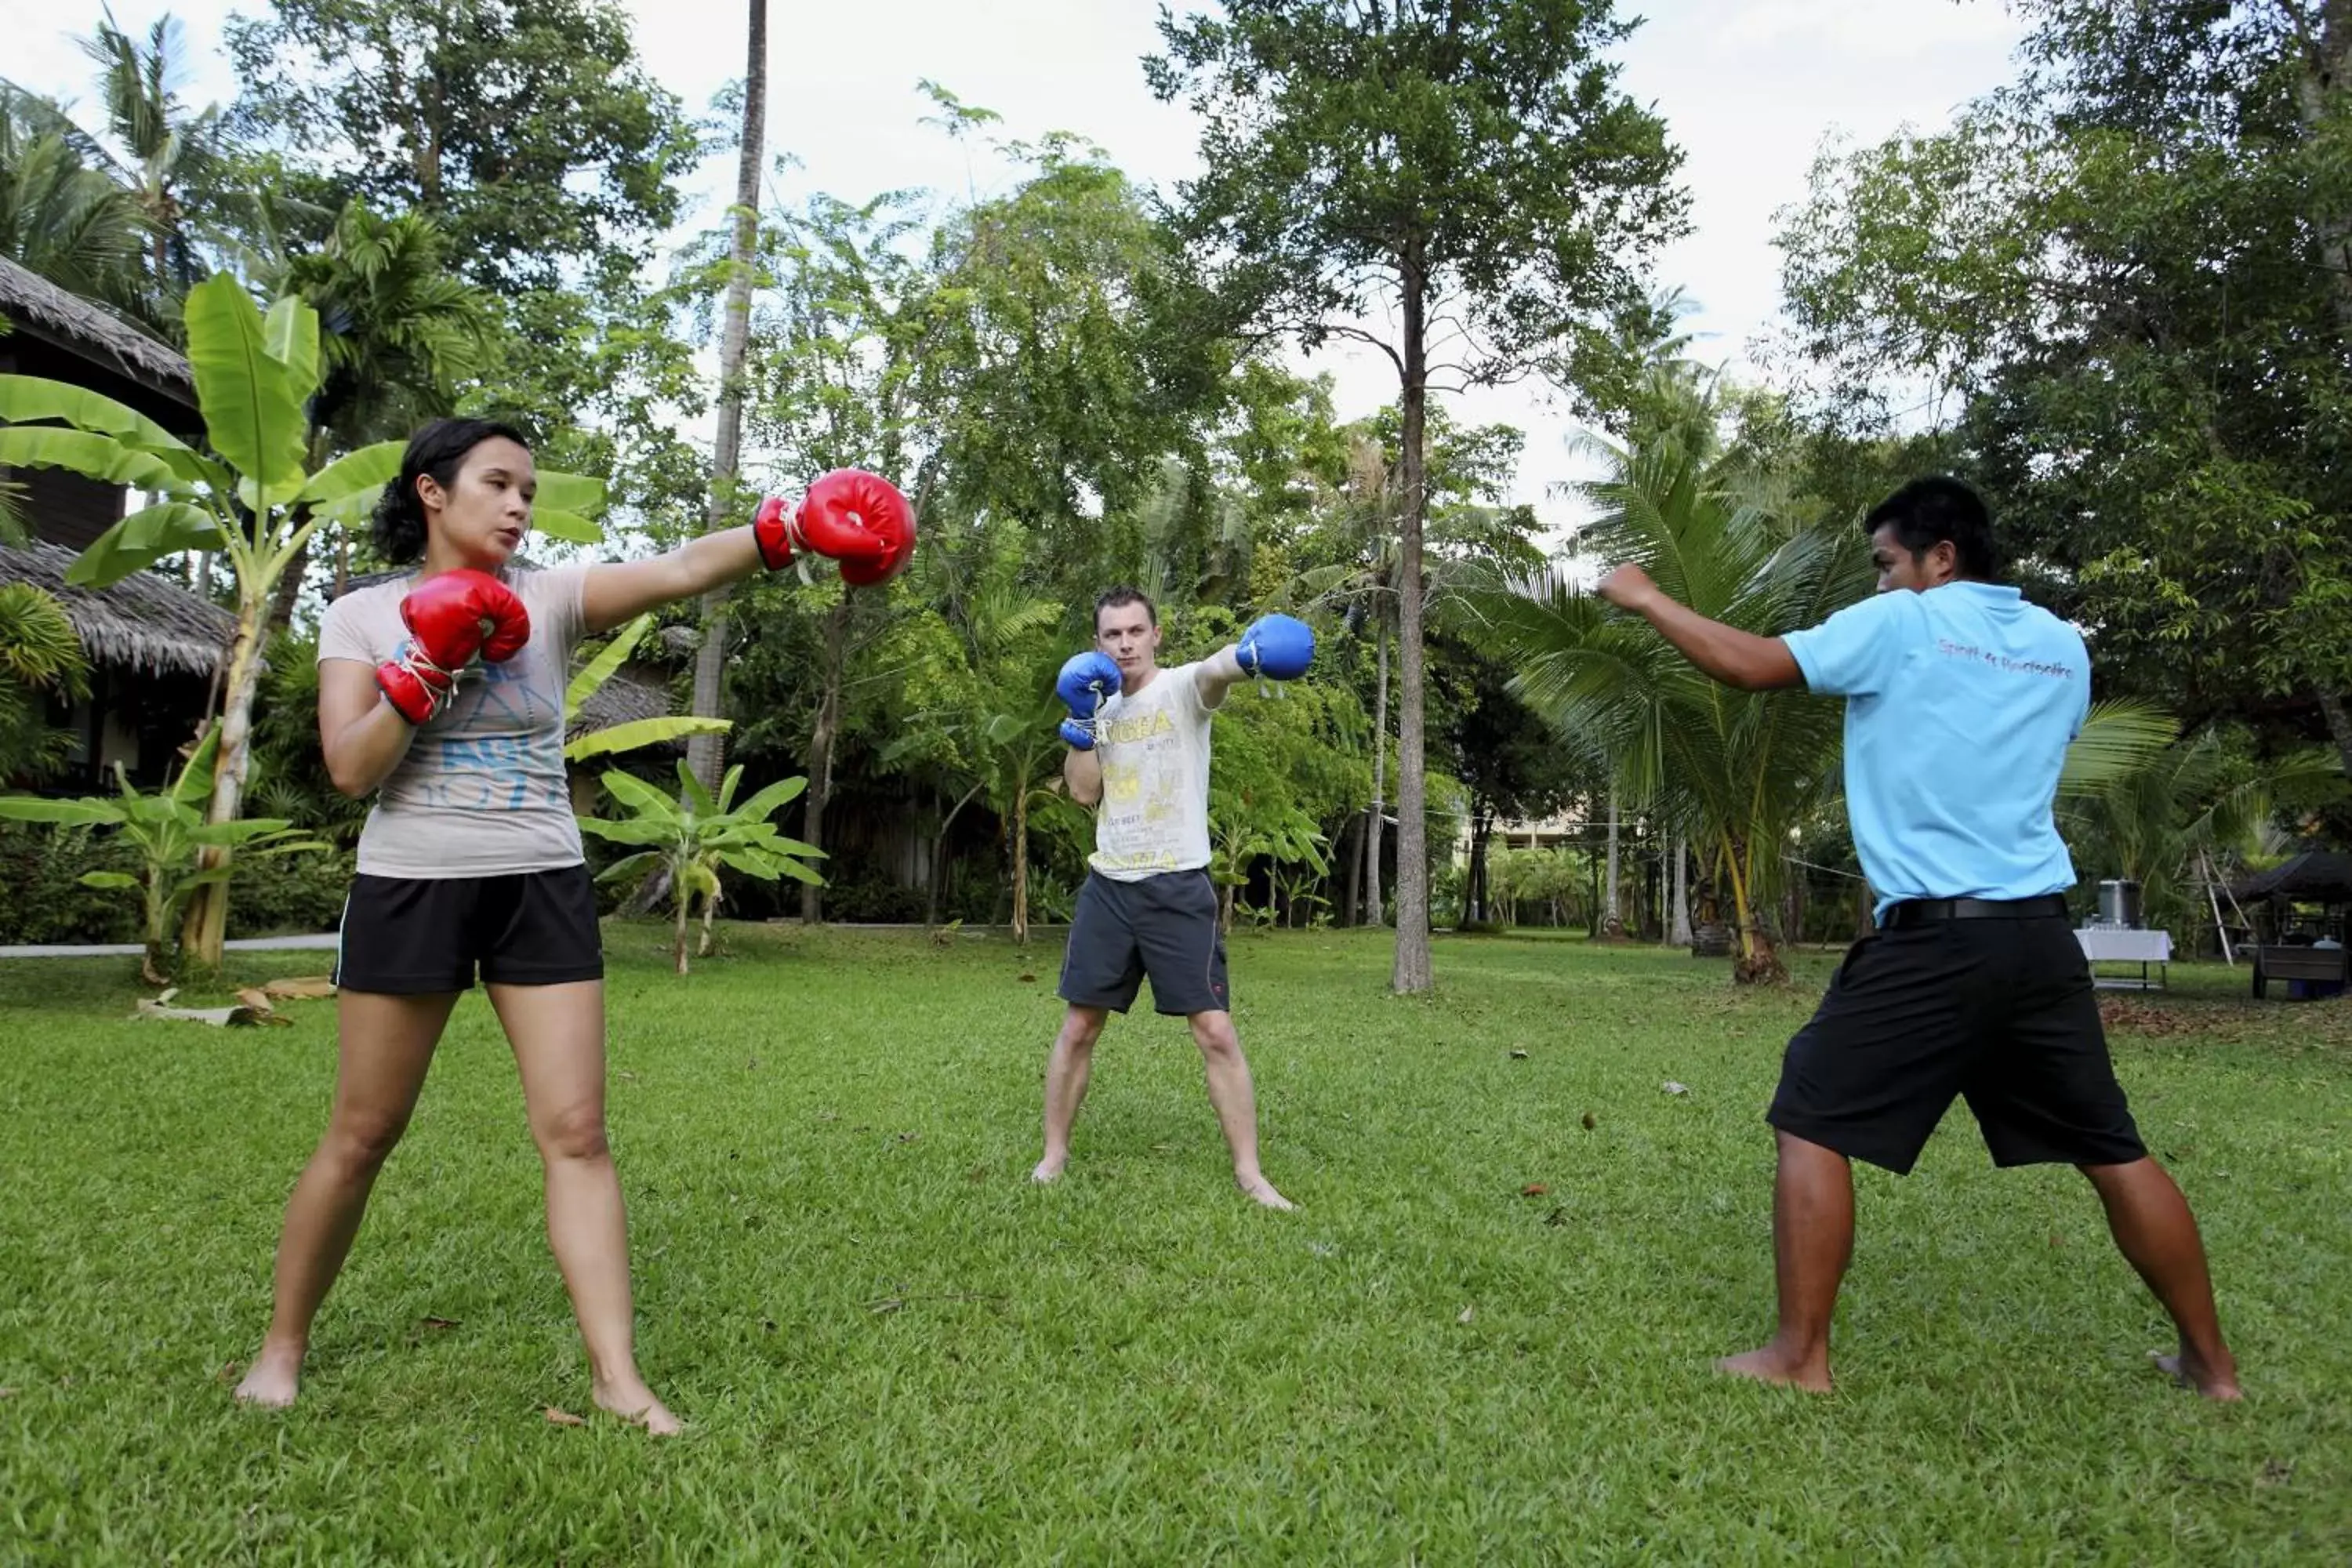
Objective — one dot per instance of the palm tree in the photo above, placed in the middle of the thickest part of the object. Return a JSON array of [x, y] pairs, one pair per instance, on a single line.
[[399, 334], [1741, 770], [63, 219], [166, 157]]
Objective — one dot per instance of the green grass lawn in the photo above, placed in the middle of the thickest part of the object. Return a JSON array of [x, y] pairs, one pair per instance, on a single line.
[[891, 1347]]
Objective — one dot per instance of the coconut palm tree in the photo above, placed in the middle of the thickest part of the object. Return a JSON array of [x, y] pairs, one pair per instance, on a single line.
[[63, 219], [168, 158]]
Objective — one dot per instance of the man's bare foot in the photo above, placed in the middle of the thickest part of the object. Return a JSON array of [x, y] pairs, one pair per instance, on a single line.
[[1049, 1169], [272, 1380], [1262, 1191], [1770, 1366], [634, 1403], [2189, 1371]]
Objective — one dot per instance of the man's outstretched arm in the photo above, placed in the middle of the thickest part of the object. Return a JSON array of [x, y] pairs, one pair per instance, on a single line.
[[1731, 656]]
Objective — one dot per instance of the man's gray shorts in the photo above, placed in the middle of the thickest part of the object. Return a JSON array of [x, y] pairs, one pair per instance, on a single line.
[[1164, 926]]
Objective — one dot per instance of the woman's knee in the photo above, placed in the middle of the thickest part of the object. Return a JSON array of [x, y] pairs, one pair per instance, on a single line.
[[360, 1141], [572, 1132]]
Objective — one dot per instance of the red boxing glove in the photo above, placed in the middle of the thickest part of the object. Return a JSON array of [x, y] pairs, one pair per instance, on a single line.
[[450, 619], [848, 515]]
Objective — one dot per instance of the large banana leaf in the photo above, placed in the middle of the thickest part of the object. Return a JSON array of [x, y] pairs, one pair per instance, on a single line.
[[641, 798], [581, 493], [363, 473], [26, 399], [639, 732], [252, 402], [568, 526], [604, 665], [290, 334], [140, 540], [85, 452], [83, 812], [768, 801]]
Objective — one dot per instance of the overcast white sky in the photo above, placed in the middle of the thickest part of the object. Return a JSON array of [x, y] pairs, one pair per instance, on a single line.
[[1748, 89]]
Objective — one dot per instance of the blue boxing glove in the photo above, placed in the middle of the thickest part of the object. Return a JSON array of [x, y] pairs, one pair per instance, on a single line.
[[1086, 680], [1277, 647]]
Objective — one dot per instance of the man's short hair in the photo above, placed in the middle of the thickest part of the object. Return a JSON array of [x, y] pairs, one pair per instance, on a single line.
[[1928, 511], [1123, 595]]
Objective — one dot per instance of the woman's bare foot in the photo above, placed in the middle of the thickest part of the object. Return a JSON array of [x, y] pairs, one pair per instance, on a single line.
[[634, 1403], [1769, 1365], [2189, 1371], [273, 1379], [1262, 1191], [1049, 1169]]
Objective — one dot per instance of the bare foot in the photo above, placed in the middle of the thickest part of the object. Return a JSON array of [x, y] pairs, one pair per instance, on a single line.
[[1049, 1169], [1770, 1366], [634, 1403], [273, 1380], [2189, 1371], [1262, 1191]]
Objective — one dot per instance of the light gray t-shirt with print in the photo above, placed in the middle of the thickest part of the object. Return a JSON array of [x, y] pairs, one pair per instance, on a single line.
[[482, 791], [1154, 748]]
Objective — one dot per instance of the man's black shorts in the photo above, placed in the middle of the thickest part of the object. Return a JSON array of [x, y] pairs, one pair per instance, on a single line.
[[1999, 1011], [1164, 926], [411, 936]]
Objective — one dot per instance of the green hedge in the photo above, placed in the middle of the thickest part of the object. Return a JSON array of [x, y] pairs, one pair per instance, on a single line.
[[42, 866]]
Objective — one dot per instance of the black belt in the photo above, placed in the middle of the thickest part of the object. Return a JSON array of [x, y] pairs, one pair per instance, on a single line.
[[1926, 911]]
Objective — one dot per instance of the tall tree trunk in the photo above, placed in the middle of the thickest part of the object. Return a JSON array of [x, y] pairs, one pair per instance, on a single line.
[[707, 754], [1474, 891], [1680, 932], [1351, 874], [820, 761], [1410, 972], [1021, 868], [1612, 915], [1375, 909], [205, 925]]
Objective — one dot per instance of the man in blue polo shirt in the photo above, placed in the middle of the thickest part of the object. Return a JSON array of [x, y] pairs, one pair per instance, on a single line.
[[1960, 702]]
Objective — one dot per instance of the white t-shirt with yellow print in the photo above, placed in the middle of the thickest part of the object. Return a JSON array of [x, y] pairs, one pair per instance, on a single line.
[[1154, 747]]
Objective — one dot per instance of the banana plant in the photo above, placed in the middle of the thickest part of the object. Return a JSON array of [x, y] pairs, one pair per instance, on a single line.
[[695, 835], [246, 493], [637, 732], [169, 831]]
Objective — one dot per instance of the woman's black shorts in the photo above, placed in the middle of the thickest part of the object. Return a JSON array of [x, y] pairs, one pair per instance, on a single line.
[[2000, 1012], [411, 936]]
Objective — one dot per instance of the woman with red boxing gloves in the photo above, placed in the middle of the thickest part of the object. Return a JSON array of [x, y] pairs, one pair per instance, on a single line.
[[441, 693]]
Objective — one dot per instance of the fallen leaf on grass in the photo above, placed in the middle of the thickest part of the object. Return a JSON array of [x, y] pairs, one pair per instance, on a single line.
[[228, 1370], [2276, 1473], [626, 1076], [1671, 1086], [1590, 1121], [439, 1322], [1534, 1190], [887, 1304], [302, 987], [253, 996], [7, 1393], [562, 1418], [1028, 980], [1467, 1313], [1557, 1216], [221, 1018], [977, 1173], [1519, 1055], [908, 1137]]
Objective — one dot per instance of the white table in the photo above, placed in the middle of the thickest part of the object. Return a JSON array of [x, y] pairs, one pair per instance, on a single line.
[[2122, 944]]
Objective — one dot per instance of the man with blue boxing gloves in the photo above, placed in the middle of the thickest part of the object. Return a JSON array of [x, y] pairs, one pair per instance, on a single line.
[[1139, 739]]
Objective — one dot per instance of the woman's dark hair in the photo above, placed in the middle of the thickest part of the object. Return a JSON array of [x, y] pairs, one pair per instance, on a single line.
[[438, 448], [1925, 512]]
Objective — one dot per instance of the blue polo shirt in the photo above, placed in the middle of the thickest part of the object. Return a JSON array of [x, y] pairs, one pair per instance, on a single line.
[[1960, 702]]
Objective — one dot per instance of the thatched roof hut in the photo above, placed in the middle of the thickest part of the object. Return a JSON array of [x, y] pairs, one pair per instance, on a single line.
[[145, 623], [38, 308]]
